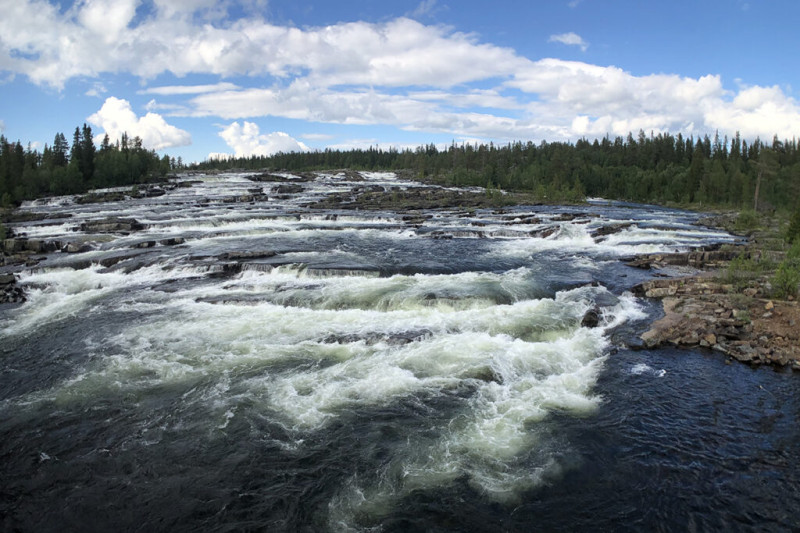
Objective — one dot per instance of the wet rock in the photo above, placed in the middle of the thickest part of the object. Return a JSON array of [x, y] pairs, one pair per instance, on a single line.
[[267, 177], [611, 229], [564, 217], [172, 241], [250, 254], [392, 339], [152, 192], [488, 375], [10, 293], [544, 233], [591, 319], [112, 225], [77, 248], [188, 183], [287, 188], [100, 197]]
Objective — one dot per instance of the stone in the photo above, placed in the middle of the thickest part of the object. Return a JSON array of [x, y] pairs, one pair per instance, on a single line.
[[76, 247], [769, 305], [710, 338], [661, 292], [591, 319], [112, 225], [750, 291]]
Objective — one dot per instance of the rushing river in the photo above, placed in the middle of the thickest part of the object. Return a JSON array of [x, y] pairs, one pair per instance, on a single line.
[[266, 366]]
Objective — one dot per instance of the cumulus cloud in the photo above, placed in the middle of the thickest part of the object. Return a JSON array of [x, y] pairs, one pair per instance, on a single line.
[[117, 117], [398, 72], [107, 19], [570, 39], [246, 140]]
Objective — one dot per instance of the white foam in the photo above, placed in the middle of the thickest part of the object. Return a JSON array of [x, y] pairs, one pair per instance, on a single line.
[[642, 368]]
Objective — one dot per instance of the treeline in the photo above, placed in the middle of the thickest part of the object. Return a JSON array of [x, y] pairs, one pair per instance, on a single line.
[[661, 168], [62, 168]]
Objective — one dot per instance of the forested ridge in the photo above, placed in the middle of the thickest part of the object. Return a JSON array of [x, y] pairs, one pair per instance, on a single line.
[[661, 168], [64, 168]]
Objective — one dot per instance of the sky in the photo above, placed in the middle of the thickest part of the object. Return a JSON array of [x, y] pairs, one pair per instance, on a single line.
[[202, 78]]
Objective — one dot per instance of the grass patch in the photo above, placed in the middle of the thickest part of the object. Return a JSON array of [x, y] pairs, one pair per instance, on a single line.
[[744, 269]]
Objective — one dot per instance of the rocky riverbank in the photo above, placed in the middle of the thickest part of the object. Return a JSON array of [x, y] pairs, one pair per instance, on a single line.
[[702, 311]]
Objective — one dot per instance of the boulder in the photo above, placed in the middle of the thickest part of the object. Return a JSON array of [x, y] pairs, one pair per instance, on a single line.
[[76, 248], [112, 225], [10, 293], [591, 319]]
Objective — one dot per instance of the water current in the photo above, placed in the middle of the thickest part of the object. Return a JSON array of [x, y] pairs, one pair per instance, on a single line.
[[261, 365]]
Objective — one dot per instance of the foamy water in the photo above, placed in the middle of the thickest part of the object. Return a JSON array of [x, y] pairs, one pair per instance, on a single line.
[[443, 362]]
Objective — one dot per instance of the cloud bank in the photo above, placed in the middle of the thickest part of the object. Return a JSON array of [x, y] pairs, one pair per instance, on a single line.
[[399, 73]]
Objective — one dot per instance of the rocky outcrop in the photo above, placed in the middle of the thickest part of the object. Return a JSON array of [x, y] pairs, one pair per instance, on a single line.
[[751, 330], [412, 198], [268, 177], [287, 188], [36, 246], [602, 232], [112, 225], [707, 258]]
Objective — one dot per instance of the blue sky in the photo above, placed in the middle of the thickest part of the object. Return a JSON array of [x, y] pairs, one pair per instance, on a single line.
[[194, 78]]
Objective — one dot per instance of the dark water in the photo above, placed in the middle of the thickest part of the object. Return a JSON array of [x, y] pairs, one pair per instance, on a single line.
[[370, 377]]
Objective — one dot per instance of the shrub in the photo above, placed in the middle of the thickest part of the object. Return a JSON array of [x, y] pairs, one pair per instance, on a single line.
[[786, 280], [746, 221], [793, 233], [742, 269]]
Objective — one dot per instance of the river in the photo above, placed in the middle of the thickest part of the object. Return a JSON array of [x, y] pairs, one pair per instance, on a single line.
[[253, 364]]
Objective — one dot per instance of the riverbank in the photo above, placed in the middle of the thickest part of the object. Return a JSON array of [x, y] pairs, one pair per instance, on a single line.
[[729, 304]]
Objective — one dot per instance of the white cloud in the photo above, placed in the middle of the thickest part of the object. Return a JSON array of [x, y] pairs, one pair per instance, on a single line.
[[107, 19], [570, 39], [317, 136], [426, 8], [399, 72], [763, 111], [51, 47], [246, 140], [116, 117], [172, 90], [97, 89]]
